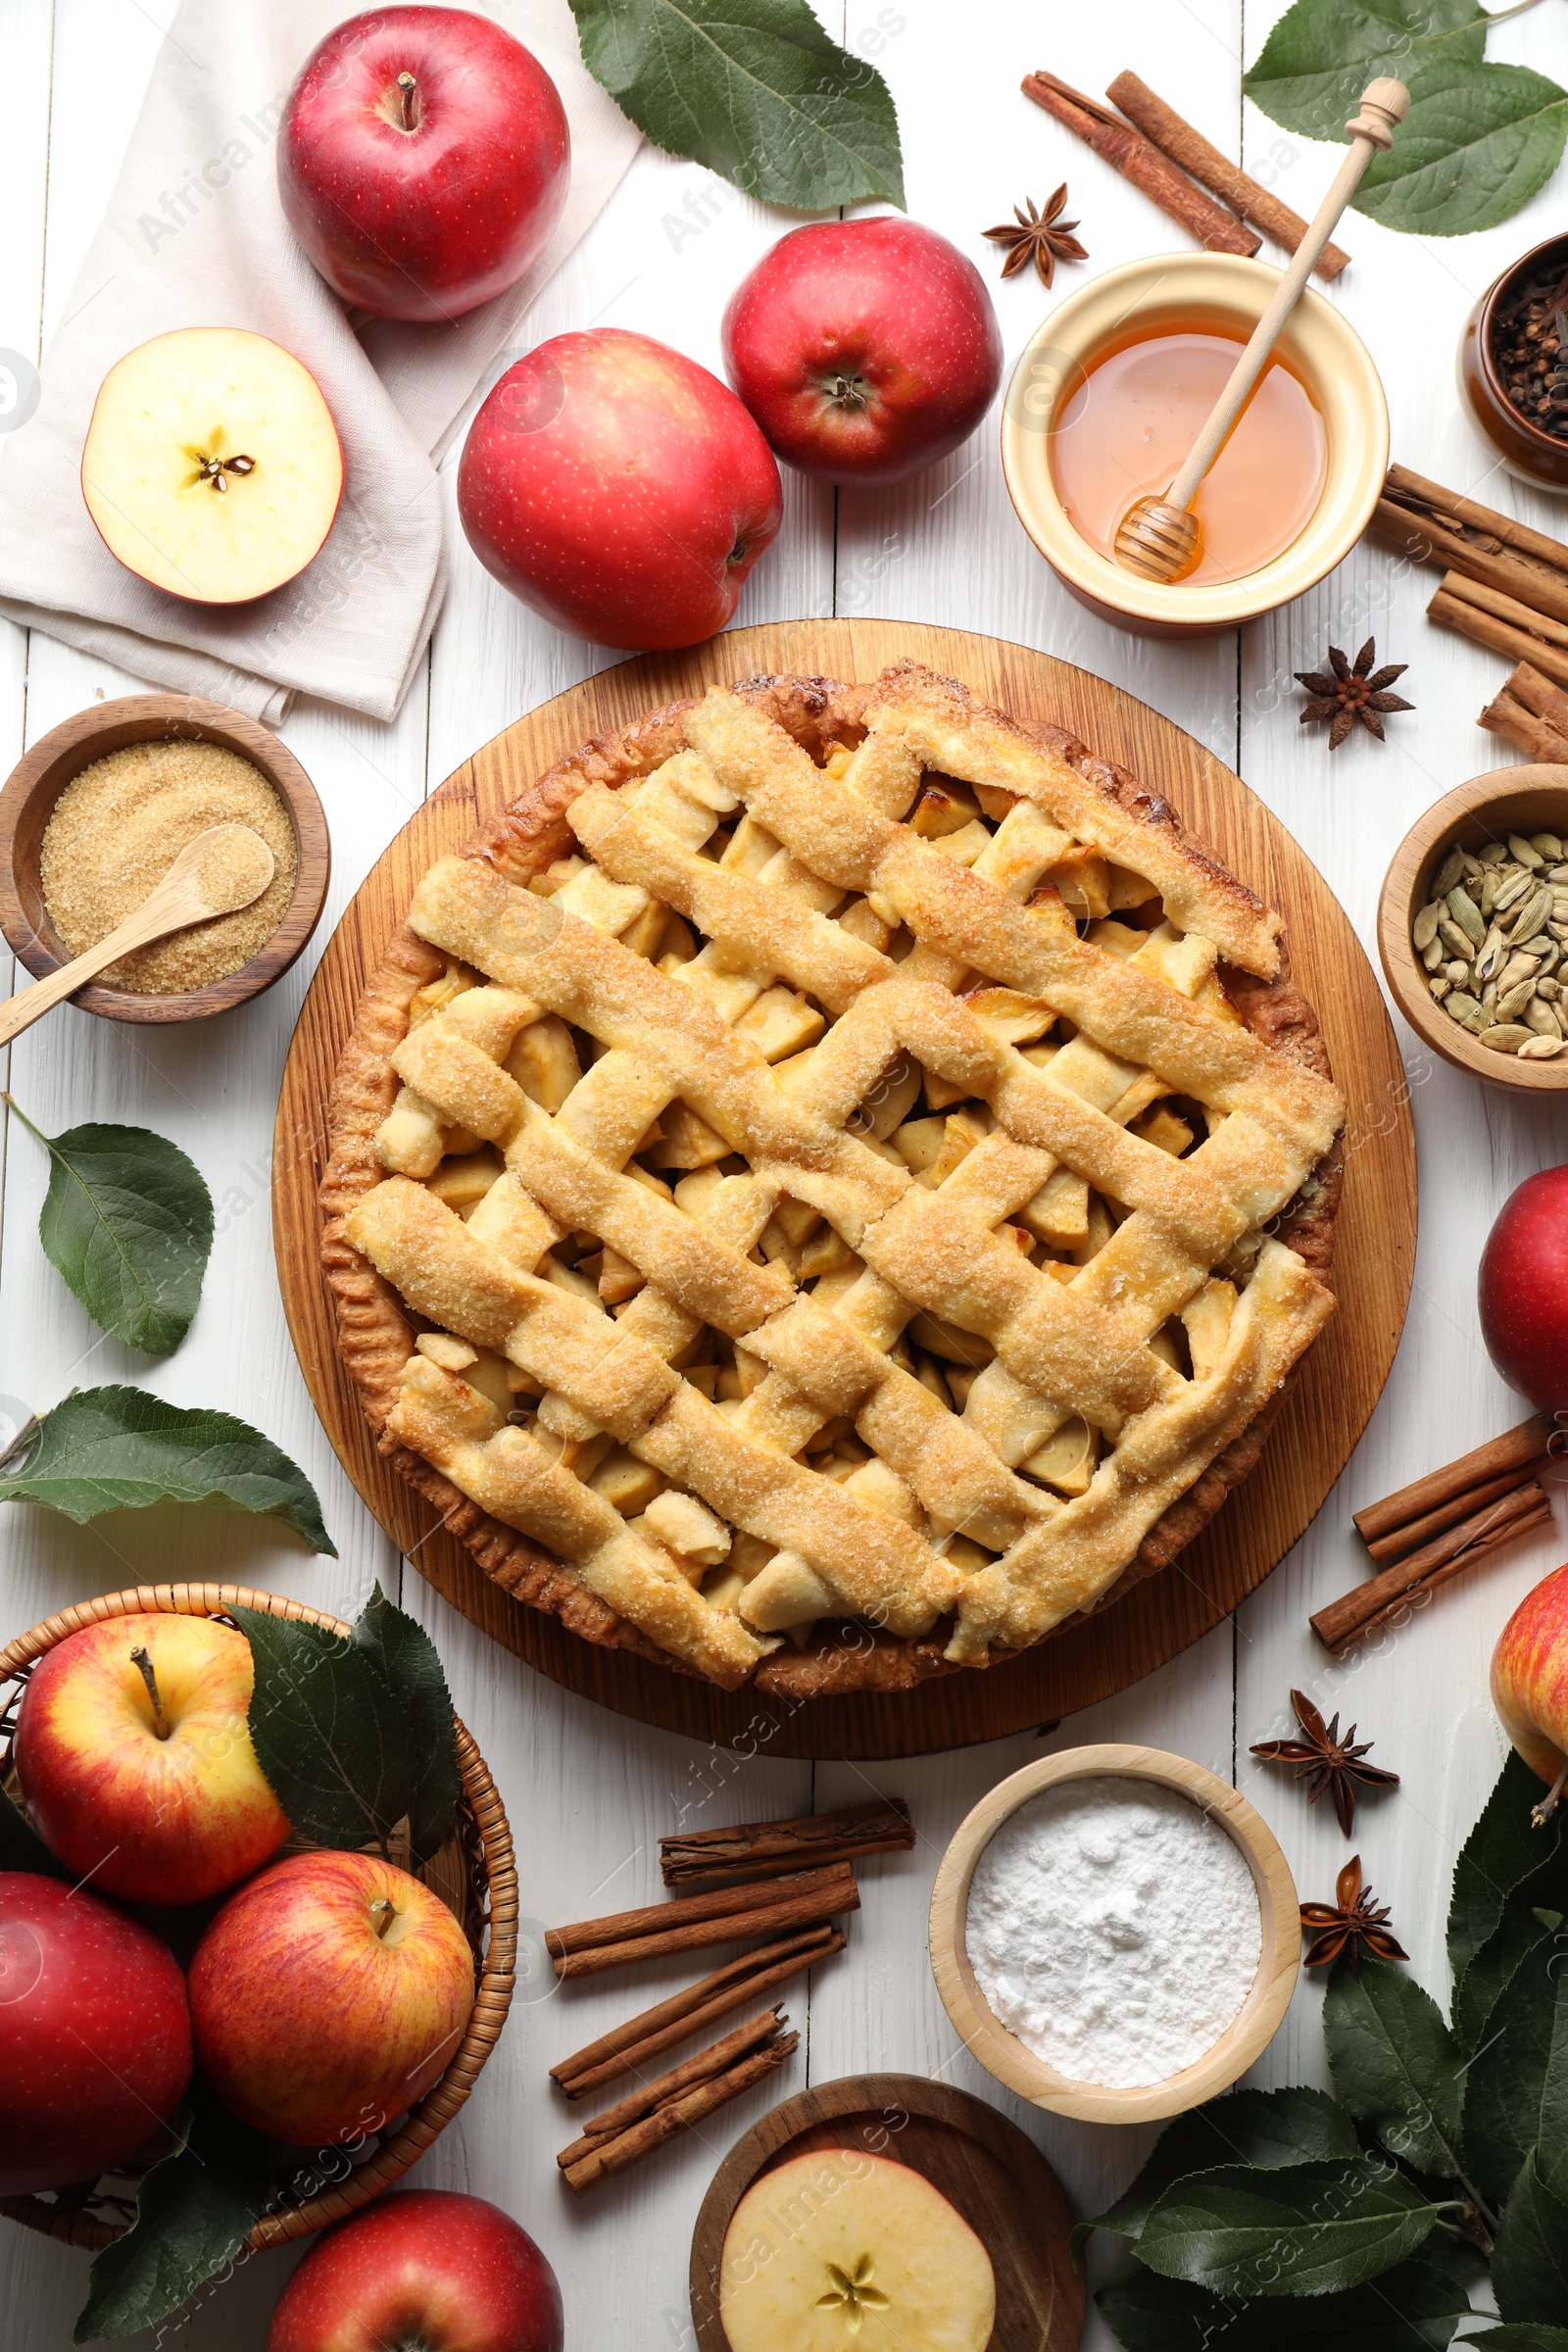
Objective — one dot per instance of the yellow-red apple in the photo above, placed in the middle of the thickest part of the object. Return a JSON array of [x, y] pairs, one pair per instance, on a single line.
[[427, 2268], [133, 1751], [212, 465], [1529, 1684], [94, 2034], [329, 1995]]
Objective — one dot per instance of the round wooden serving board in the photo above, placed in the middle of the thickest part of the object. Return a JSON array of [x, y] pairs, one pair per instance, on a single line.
[[1340, 1382], [979, 2161]]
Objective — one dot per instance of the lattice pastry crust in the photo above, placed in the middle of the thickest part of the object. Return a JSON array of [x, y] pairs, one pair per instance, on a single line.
[[829, 1184]]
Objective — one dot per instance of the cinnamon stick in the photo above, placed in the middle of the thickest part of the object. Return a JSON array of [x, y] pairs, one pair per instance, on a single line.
[[1541, 696], [644, 2038], [683, 2114], [1508, 718], [1520, 1513], [716, 2060], [1128, 152], [1472, 620], [1527, 1442], [1494, 532], [697, 1920], [768, 1848], [1176, 139], [1434, 526], [1388, 1549]]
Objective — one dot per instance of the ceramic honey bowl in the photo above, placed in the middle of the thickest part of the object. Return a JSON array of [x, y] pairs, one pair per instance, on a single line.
[[1319, 415]]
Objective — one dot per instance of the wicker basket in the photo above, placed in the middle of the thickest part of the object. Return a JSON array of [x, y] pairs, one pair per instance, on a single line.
[[474, 1874]]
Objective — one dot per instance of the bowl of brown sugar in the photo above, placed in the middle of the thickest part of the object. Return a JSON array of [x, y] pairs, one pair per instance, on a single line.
[[93, 818]]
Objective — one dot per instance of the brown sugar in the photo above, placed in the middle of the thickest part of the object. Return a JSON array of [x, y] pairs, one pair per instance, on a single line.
[[118, 828]]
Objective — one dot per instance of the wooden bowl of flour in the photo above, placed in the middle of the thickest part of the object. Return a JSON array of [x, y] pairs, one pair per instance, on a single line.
[[1241, 2042]]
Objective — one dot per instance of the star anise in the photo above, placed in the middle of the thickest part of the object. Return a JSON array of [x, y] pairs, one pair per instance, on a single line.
[[1039, 237], [1342, 694], [1349, 1924], [1323, 1760]]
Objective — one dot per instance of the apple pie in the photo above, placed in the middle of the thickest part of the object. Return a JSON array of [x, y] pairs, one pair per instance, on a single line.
[[829, 1184]]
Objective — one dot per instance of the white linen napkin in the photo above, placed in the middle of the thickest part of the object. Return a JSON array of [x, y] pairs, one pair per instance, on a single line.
[[195, 236]]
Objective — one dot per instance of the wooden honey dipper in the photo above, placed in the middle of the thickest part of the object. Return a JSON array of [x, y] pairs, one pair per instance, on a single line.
[[1161, 538]]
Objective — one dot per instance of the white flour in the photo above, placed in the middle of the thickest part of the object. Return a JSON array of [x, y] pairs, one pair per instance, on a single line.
[[1114, 1927]]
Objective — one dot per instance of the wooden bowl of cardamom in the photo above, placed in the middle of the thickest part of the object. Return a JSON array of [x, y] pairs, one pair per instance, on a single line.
[[97, 810], [1472, 928]]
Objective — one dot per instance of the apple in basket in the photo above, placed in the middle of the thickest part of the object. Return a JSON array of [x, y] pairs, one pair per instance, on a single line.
[[95, 2046], [620, 489], [427, 2268], [212, 467], [1524, 1289], [423, 161], [864, 349], [329, 1993], [134, 1757]]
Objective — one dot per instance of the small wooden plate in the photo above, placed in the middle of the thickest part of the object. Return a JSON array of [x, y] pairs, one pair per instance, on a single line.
[[1531, 799], [981, 2163], [1255, 2023], [57, 758]]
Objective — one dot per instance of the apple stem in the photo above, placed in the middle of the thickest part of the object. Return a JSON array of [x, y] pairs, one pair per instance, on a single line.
[[383, 1911], [411, 110], [144, 1666], [1548, 1804]]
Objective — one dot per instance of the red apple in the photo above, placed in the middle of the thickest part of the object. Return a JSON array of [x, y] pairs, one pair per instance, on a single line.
[[212, 467], [1530, 1682], [1524, 1289], [327, 1996], [426, 2268], [423, 161], [135, 1759], [864, 349], [94, 2034], [619, 490]]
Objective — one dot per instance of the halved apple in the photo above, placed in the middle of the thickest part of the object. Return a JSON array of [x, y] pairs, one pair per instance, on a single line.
[[212, 465], [845, 2252]]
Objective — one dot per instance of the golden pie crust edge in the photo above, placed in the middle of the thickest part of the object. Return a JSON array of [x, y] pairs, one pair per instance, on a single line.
[[375, 1336]]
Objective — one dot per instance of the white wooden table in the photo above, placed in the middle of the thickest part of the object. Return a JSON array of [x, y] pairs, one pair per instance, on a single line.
[[588, 1794]]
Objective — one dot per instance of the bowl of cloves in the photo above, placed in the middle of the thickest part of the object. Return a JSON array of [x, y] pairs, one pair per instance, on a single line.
[[1513, 365]]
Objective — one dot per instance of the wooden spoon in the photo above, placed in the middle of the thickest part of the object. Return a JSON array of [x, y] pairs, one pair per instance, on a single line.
[[225, 868], [1161, 538]]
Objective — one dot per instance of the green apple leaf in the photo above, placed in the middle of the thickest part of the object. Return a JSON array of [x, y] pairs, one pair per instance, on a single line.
[[1530, 2268], [1516, 2090], [1522, 2335], [1304, 2230], [1322, 53], [1262, 2127], [119, 1449], [754, 89], [194, 2211], [411, 1666], [21, 1846], [128, 1222], [1502, 1855], [355, 1735], [1478, 143], [1414, 2308], [1496, 1963], [1395, 2065]]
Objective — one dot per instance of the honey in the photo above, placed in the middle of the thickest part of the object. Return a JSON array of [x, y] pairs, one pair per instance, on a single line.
[[1126, 428]]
